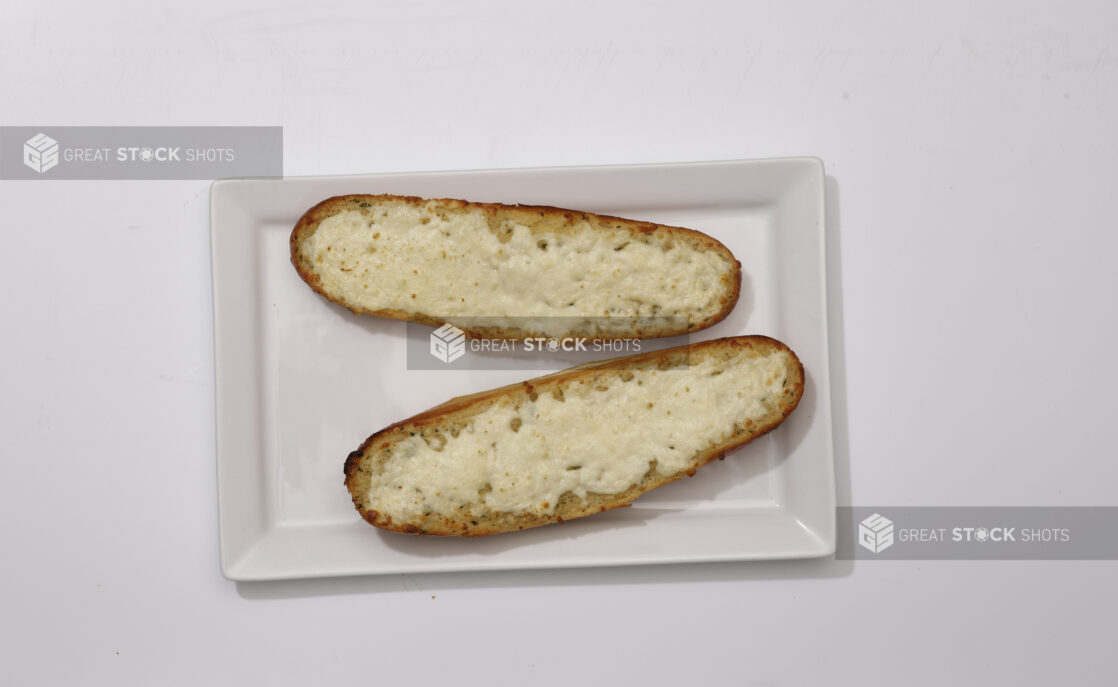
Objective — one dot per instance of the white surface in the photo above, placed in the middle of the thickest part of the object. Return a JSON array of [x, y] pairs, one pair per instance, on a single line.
[[301, 382], [970, 151]]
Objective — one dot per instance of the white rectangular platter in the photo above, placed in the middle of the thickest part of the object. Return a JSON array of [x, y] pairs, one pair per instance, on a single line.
[[301, 382]]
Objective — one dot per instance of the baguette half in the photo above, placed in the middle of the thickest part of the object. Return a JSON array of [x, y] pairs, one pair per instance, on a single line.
[[551, 272], [573, 443]]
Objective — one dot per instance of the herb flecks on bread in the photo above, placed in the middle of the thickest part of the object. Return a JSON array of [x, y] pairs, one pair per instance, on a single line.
[[573, 443], [568, 273]]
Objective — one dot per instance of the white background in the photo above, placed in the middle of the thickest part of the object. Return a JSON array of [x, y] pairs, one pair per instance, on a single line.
[[971, 149]]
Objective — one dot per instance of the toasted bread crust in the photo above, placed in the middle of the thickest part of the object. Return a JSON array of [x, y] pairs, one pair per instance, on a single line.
[[359, 465], [308, 224]]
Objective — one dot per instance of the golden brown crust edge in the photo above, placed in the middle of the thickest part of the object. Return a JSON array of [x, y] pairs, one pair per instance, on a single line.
[[569, 507], [308, 224]]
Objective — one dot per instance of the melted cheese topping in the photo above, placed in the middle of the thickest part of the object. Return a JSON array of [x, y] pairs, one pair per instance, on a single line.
[[599, 439], [402, 257]]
